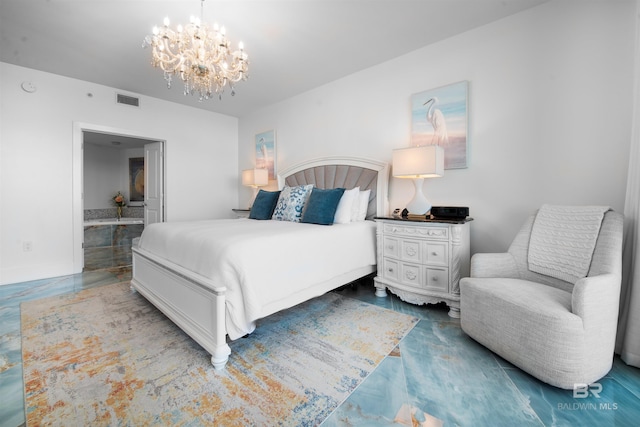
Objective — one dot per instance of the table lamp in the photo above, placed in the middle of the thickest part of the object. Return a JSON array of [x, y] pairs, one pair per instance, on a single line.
[[255, 178], [417, 163]]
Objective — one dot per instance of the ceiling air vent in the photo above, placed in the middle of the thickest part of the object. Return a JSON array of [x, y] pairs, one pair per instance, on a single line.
[[127, 100]]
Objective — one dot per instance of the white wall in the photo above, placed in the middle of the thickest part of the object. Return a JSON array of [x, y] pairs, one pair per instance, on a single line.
[[36, 187], [106, 171], [549, 115]]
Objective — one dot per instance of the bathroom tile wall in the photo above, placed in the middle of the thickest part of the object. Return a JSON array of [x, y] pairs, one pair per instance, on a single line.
[[107, 246], [127, 212]]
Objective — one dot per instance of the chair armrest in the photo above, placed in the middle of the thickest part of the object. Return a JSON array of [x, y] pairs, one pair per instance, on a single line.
[[596, 298], [494, 265]]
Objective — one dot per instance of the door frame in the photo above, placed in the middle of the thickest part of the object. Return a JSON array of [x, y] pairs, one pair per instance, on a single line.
[[77, 180]]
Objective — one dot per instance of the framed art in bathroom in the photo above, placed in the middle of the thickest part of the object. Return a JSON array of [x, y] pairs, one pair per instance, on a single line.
[[265, 146], [136, 181]]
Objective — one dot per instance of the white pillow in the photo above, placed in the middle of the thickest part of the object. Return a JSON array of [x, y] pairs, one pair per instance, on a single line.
[[360, 205], [364, 205], [348, 199]]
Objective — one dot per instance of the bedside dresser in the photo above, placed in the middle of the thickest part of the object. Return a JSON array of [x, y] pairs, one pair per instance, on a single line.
[[241, 213], [422, 261]]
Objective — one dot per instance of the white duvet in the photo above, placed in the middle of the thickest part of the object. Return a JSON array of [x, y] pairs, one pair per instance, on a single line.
[[265, 265]]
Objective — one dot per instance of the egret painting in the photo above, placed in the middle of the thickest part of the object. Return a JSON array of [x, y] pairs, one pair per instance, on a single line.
[[439, 117], [266, 152]]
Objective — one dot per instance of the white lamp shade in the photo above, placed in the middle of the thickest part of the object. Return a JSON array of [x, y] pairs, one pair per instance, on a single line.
[[418, 162], [255, 177]]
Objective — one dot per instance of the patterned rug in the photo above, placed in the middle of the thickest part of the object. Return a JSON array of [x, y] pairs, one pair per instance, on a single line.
[[105, 356]]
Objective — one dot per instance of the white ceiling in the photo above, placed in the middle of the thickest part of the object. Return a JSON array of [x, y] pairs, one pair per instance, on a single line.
[[293, 45]]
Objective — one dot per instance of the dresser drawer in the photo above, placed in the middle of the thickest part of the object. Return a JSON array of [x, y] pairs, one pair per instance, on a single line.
[[437, 279], [411, 274], [411, 250], [420, 232], [391, 269], [436, 253], [391, 247]]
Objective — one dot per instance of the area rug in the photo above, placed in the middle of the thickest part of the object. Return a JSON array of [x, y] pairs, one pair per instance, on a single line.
[[105, 356]]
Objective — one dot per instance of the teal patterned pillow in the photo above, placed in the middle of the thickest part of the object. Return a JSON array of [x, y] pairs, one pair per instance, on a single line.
[[291, 203]]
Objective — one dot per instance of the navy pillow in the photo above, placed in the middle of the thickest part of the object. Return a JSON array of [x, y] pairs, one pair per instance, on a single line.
[[264, 204], [321, 206]]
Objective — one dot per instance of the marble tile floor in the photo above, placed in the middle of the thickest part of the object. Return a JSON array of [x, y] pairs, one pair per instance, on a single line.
[[437, 376]]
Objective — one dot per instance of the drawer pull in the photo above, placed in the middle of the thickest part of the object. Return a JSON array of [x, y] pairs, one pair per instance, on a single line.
[[434, 253], [390, 270], [390, 247], [435, 278]]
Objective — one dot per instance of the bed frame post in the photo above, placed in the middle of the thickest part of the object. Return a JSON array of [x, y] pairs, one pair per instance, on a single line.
[[222, 350], [381, 289]]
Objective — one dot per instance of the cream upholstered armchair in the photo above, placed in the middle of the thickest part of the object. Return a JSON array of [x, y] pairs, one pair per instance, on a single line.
[[561, 331]]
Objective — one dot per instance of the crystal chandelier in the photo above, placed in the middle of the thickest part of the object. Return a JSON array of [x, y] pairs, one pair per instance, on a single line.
[[199, 55]]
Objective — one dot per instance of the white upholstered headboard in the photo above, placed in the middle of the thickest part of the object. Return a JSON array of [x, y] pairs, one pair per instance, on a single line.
[[345, 172]]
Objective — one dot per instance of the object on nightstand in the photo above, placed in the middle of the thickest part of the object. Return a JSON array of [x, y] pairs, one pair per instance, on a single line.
[[408, 215], [255, 178], [450, 212], [242, 213], [418, 163]]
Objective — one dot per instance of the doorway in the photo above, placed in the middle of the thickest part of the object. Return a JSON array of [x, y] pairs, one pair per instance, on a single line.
[[104, 164]]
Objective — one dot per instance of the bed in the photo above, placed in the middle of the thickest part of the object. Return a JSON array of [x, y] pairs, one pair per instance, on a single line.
[[216, 295]]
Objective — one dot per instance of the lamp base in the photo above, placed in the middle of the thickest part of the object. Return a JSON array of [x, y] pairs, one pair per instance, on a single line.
[[419, 205]]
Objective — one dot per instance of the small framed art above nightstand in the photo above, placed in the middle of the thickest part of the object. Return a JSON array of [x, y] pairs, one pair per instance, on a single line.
[[422, 261]]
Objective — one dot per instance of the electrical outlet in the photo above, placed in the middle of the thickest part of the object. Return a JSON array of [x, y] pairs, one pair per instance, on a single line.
[[27, 246]]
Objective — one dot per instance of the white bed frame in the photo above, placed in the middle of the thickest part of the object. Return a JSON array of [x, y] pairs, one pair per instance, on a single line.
[[197, 305]]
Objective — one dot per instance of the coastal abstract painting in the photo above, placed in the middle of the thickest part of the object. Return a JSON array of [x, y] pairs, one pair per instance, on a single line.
[[439, 117], [266, 152]]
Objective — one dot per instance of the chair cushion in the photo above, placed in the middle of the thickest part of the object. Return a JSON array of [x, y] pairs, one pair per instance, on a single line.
[[529, 324]]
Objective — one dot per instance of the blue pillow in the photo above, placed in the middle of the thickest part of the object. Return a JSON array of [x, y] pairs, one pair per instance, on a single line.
[[264, 204], [322, 205]]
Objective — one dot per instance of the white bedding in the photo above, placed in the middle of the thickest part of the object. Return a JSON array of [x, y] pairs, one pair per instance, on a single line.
[[262, 263]]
